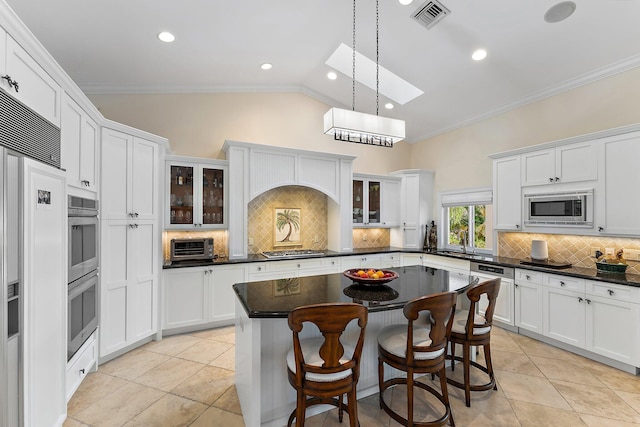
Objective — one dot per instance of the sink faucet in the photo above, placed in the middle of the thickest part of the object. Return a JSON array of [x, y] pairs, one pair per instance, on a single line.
[[464, 241]]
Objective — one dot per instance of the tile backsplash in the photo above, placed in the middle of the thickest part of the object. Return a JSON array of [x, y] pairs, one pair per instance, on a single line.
[[313, 218], [371, 238], [566, 248]]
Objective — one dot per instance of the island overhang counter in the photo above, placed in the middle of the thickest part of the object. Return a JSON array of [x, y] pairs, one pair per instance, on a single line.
[[263, 337]]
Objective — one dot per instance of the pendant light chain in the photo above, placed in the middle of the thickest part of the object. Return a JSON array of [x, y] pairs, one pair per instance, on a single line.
[[377, 59], [353, 80]]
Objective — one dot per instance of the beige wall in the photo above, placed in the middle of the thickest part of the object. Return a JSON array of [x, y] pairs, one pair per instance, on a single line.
[[459, 158], [198, 124]]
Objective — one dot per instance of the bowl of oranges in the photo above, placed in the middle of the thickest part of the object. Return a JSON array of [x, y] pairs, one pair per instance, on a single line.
[[370, 276]]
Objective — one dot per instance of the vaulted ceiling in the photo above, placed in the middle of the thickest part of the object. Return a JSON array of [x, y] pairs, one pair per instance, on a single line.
[[110, 46]]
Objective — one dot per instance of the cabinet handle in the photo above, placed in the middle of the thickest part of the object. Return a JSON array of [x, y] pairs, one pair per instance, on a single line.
[[550, 179], [206, 272], [515, 284], [82, 371], [135, 214], [557, 179], [528, 277], [588, 301], [562, 283], [517, 225], [580, 299], [600, 229], [131, 214], [298, 265], [610, 291], [11, 82], [132, 226], [136, 225], [259, 268], [210, 271]]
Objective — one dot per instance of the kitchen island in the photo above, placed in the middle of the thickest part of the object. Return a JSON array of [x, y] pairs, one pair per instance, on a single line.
[[263, 337]]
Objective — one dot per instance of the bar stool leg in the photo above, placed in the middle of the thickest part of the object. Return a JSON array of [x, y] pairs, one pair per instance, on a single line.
[[352, 401], [380, 380], [410, 398], [445, 394], [487, 356], [453, 355], [466, 350]]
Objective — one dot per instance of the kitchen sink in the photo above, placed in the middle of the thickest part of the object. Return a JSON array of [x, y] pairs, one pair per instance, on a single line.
[[477, 257], [295, 253]]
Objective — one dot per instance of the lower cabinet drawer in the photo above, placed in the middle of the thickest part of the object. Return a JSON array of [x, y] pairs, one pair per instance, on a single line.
[[613, 291], [78, 367]]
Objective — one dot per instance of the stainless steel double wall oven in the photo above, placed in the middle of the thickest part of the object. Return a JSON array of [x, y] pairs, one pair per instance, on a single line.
[[83, 272]]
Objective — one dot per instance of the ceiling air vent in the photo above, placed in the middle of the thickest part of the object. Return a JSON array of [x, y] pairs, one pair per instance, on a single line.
[[430, 13]]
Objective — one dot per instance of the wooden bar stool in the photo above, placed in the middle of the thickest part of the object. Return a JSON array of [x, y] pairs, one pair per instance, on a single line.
[[418, 349], [472, 329], [323, 368]]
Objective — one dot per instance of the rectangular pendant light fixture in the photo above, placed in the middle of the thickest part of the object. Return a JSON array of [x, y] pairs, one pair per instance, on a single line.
[[362, 128]]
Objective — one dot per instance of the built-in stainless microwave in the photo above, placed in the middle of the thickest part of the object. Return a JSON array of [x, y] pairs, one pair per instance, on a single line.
[[566, 208]]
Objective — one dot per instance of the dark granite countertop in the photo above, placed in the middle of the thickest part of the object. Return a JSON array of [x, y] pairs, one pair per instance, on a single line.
[[584, 273], [276, 298]]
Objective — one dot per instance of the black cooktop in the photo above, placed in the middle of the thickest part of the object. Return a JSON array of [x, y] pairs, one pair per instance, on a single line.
[[548, 263]]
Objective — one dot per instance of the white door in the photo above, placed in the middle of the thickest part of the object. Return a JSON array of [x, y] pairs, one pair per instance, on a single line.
[[577, 162], [564, 315], [390, 203], [503, 311], [44, 332], [613, 329], [410, 209], [223, 296], [538, 167], [143, 285], [185, 297], [89, 136], [507, 199], [528, 306], [144, 179], [116, 196]]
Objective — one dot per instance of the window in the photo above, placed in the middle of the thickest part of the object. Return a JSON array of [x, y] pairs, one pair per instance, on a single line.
[[467, 215]]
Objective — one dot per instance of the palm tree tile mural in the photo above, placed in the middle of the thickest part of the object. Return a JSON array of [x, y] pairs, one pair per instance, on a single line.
[[287, 228]]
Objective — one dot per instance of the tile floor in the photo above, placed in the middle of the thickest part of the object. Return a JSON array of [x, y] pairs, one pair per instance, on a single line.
[[187, 380]]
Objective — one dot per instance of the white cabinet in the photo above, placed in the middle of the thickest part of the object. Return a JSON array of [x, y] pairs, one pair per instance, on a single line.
[[196, 193], [376, 201], [566, 163], [415, 199], [13, 381], [447, 263], [81, 364], [294, 268], [129, 286], [507, 199], [528, 300], [28, 82], [390, 203], [504, 310], [407, 259], [616, 201], [564, 308], [129, 177], [613, 321], [185, 297], [79, 135], [198, 296]]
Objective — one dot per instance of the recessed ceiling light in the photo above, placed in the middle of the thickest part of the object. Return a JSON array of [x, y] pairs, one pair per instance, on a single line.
[[560, 12], [331, 75], [479, 54], [166, 37], [388, 106], [405, 2], [266, 66]]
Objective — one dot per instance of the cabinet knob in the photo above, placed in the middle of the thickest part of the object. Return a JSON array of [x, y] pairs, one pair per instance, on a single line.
[[550, 179], [132, 226], [515, 284], [259, 268], [517, 225], [580, 299], [528, 277], [135, 225], [600, 229], [210, 271], [610, 291], [206, 272], [82, 371], [562, 283], [557, 179], [298, 265], [588, 301], [333, 263]]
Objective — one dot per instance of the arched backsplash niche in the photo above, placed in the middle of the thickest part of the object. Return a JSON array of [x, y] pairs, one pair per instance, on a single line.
[[313, 206]]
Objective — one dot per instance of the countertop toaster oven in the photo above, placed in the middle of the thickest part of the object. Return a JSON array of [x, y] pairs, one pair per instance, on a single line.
[[192, 249]]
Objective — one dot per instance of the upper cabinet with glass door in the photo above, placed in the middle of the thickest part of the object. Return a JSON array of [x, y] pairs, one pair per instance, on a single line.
[[196, 194], [370, 201]]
